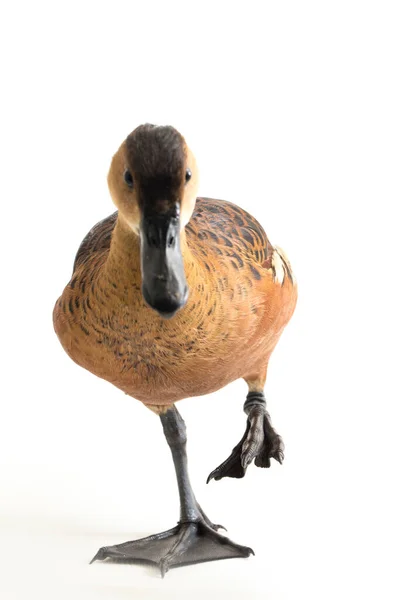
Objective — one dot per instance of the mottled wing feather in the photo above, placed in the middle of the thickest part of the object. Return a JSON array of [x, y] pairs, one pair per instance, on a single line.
[[222, 223], [98, 238]]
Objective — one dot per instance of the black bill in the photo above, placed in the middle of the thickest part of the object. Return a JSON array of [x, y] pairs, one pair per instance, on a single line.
[[164, 284]]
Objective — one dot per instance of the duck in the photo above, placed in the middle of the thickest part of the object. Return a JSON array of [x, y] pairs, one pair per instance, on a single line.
[[175, 296]]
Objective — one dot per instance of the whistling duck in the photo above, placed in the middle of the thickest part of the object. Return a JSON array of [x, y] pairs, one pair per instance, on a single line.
[[175, 296]]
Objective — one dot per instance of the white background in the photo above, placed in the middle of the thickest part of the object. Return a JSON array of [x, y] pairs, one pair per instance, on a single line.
[[292, 109]]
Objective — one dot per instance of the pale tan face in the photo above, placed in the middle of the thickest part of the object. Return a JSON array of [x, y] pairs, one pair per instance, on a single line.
[[190, 189], [126, 198]]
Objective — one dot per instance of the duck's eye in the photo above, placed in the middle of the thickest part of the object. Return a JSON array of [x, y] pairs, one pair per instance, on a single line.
[[128, 178], [188, 175]]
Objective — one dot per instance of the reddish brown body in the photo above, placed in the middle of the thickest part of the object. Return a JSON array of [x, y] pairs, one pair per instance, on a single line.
[[242, 294]]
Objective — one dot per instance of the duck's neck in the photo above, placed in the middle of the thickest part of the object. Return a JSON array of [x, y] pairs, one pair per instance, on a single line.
[[122, 268], [123, 262]]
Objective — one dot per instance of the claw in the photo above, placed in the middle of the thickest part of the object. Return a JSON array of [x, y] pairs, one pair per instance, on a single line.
[[164, 568], [207, 520], [216, 527], [211, 476], [223, 470], [99, 556]]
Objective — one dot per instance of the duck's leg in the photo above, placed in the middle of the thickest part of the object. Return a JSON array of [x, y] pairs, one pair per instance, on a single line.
[[260, 441], [195, 538]]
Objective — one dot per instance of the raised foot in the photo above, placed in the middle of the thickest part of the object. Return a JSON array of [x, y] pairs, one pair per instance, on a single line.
[[187, 543], [260, 442]]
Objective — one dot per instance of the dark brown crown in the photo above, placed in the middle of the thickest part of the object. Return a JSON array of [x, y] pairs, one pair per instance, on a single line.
[[156, 158]]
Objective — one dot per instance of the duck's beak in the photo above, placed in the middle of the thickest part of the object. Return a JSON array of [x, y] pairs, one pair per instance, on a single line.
[[164, 284]]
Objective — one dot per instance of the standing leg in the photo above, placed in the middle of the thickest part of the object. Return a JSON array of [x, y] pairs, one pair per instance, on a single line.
[[175, 434], [194, 539]]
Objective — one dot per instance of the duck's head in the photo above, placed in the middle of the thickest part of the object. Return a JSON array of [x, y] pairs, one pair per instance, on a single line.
[[153, 182]]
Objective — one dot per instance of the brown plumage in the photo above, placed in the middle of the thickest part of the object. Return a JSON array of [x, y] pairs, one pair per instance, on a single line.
[[242, 290], [237, 309]]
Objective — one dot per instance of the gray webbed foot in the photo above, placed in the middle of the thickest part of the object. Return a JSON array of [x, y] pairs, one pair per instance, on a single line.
[[187, 543]]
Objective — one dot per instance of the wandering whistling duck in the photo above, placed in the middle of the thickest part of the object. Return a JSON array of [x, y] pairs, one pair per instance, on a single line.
[[175, 296]]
